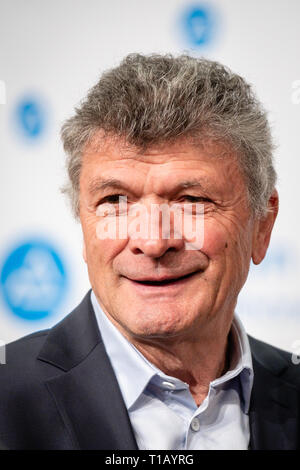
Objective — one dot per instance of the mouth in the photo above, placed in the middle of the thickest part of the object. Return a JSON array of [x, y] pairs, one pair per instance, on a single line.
[[164, 282]]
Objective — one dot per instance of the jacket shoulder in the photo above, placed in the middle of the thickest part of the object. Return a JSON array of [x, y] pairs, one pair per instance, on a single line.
[[25, 347], [277, 361], [20, 357]]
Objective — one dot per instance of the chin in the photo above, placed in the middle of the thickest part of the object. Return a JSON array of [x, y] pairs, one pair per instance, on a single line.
[[152, 333], [158, 325]]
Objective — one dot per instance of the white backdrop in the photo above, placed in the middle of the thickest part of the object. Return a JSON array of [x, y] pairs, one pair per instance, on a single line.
[[51, 53]]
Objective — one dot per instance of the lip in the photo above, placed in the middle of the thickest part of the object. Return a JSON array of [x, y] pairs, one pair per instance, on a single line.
[[161, 285]]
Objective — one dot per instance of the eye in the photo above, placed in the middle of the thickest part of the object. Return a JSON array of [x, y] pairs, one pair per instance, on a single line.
[[190, 198], [112, 205], [112, 199]]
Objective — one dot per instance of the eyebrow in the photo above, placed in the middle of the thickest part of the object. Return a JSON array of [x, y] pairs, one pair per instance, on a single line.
[[192, 183], [101, 184]]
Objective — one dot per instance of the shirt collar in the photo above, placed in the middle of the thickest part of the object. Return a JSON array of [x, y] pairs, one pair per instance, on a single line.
[[240, 362], [134, 371], [131, 368]]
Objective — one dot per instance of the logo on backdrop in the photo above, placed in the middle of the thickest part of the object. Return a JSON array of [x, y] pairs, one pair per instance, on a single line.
[[30, 117], [33, 280], [198, 25]]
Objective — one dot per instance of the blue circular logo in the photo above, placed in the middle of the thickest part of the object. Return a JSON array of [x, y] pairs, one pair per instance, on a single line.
[[198, 25], [31, 117], [33, 280]]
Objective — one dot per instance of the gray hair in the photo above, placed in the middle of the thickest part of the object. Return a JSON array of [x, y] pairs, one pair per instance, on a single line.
[[160, 98]]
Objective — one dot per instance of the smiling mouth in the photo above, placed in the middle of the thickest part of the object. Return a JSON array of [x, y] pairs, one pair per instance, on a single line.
[[164, 282]]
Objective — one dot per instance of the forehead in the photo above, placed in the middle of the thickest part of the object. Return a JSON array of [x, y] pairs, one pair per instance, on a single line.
[[214, 164]]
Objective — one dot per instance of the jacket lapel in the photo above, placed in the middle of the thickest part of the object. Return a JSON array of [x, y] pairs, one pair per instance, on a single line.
[[85, 389], [274, 404]]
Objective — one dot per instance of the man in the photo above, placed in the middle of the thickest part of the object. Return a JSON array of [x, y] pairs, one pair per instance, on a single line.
[[155, 357]]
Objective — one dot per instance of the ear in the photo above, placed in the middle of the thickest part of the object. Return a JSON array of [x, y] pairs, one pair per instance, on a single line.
[[263, 229]]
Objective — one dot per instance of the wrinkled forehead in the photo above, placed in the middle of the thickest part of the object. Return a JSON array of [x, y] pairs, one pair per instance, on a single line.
[[163, 167], [114, 147]]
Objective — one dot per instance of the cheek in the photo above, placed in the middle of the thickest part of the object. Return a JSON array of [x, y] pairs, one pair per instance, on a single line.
[[99, 252], [216, 239], [103, 252]]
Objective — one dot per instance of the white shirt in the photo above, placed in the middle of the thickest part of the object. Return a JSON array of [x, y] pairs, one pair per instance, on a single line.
[[161, 408]]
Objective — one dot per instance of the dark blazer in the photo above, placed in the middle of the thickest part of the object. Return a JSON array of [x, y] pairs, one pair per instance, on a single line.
[[58, 391], [2, 446]]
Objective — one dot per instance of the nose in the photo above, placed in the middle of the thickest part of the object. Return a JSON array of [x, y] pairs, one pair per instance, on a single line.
[[155, 248], [156, 237]]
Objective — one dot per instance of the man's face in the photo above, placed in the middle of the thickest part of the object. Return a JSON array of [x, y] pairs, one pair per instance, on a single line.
[[129, 276]]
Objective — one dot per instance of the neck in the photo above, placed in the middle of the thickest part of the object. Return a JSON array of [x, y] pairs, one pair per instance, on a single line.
[[196, 361]]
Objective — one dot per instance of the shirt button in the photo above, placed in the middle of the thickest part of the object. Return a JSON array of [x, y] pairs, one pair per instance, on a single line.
[[168, 385], [195, 424]]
